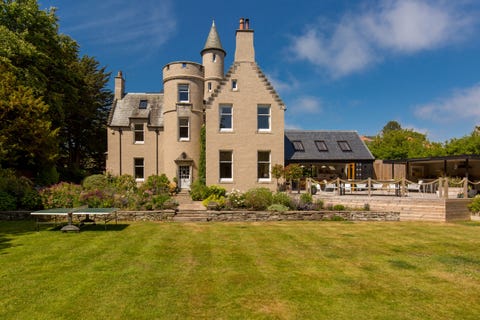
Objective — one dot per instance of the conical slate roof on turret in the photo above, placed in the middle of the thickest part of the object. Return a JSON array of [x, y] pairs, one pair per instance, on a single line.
[[213, 40]]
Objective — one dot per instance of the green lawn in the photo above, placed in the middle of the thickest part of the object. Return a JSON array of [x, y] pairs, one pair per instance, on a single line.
[[288, 270]]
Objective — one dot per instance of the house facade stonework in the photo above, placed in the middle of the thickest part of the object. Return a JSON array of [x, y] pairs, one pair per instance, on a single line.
[[155, 133]]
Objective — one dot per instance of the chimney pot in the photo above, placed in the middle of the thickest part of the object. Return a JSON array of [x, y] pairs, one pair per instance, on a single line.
[[247, 24], [242, 24]]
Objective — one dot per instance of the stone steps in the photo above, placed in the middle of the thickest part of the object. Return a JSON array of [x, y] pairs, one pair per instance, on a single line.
[[191, 216]]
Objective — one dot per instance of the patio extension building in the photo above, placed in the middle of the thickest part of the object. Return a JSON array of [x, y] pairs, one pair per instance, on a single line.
[[243, 117]]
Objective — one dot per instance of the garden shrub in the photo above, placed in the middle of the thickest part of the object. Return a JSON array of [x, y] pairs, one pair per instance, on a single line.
[[124, 183], [319, 204], [213, 198], [198, 191], [95, 182], [277, 207], [474, 206], [31, 200], [20, 188], [61, 195], [283, 199], [157, 184], [97, 198], [235, 199], [258, 198], [7, 202], [338, 207], [216, 190], [306, 198]]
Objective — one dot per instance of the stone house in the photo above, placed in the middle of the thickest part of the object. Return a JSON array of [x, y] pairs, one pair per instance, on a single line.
[[155, 133]]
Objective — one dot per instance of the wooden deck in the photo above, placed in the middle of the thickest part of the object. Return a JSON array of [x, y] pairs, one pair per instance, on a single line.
[[425, 207]]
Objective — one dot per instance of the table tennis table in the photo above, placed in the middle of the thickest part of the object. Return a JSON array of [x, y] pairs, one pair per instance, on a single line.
[[107, 214]]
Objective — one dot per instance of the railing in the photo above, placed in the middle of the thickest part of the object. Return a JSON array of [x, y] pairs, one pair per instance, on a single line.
[[441, 187]]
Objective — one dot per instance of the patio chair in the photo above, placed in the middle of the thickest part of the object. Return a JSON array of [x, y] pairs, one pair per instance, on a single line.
[[361, 186], [347, 187]]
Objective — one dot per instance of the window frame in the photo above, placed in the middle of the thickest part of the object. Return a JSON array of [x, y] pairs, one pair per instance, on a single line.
[[269, 116], [222, 163], [180, 126], [344, 146], [183, 92], [137, 130], [298, 146], [263, 162], [321, 145], [143, 104], [138, 166], [234, 84], [222, 114]]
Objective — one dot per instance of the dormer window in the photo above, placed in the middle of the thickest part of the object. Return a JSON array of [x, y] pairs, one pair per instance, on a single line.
[[321, 145], [344, 146], [298, 146], [143, 104], [234, 84]]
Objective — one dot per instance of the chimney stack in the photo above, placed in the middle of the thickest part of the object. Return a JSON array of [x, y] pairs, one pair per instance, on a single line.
[[119, 86], [244, 50], [242, 24]]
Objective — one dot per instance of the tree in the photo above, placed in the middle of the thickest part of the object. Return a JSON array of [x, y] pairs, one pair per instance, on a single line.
[[391, 126], [27, 141], [277, 172], [394, 142], [73, 88], [469, 144], [294, 172], [83, 135]]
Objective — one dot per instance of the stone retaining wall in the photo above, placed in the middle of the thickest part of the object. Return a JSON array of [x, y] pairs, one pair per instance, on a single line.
[[241, 215], [301, 215]]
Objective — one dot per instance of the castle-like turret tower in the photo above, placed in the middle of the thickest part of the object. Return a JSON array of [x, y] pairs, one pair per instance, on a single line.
[[213, 59], [183, 118]]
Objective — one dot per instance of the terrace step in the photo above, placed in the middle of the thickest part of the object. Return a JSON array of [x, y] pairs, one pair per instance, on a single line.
[[186, 216]]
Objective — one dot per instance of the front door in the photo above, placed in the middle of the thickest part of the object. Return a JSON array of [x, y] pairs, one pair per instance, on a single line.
[[184, 177]]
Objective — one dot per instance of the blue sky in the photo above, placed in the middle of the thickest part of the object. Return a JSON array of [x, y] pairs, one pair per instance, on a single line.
[[337, 64]]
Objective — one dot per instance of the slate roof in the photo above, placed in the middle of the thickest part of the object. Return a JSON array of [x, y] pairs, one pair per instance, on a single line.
[[128, 108], [213, 40], [359, 151]]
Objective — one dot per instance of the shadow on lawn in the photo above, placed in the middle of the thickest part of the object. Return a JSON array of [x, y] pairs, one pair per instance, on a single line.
[[11, 229], [91, 227]]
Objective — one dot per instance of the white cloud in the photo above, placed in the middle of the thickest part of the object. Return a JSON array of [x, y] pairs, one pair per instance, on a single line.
[[357, 41], [292, 127], [462, 105], [306, 104]]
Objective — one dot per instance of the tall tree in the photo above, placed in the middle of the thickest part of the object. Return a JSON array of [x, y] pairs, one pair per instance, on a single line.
[[73, 88], [83, 134], [27, 141], [394, 142], [469, 144]]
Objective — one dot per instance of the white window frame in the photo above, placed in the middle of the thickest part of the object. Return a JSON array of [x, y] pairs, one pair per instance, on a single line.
[[180, 138], [138, 166], [234, 84], [269, 115], [137, 129], [220, 161], [263, 179], [181, 90], [220, 110]]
